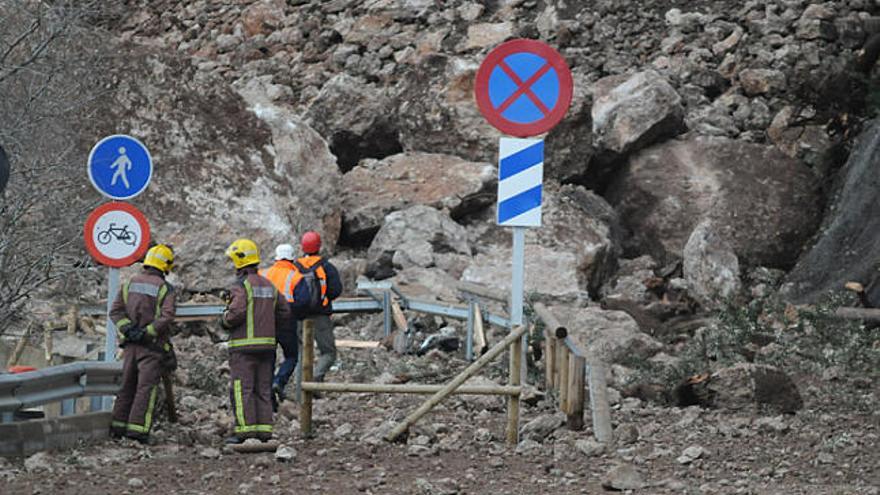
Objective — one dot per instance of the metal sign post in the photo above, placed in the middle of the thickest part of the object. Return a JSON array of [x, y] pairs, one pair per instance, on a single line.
[[517, 288], [523, 88], [110, 342]]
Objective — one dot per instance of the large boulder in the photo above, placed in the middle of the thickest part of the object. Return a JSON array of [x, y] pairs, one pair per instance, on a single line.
[[224, 168], [574, 251], [374, 189], [848, 247], [764, 203], [356, 118], [420, 236], [630, 112], [612, 336], [748, 386]]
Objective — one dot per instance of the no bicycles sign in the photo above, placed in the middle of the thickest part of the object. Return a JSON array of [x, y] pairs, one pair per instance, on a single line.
[[117, 234]]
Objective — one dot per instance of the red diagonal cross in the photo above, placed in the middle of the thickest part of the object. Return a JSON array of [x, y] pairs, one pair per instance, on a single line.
[[524, 87]]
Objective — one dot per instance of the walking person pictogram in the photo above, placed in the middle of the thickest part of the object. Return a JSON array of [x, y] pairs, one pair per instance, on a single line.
[[122, 165]]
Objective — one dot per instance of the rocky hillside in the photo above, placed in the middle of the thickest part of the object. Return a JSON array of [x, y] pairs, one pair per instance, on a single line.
[[707, 120]]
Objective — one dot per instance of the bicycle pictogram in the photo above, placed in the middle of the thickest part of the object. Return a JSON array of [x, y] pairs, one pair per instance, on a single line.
[[119, 233]]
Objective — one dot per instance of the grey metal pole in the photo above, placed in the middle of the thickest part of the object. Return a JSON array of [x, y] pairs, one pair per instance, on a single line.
[[517, 288], [469, 339], [386, 311], [110, 342]]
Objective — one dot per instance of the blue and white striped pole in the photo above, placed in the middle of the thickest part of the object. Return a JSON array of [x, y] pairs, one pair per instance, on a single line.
[[520, 183]]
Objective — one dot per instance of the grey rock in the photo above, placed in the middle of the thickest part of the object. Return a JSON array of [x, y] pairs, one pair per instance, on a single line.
[[285, 453], [210, 453], [589, 447], [623, 477], [541, 427], [374, 189], [761, 81], [748, 386], [135, 483], [690, 454], [38, 462], [486, 34], [775, 424], [630, 112], [612, 336], [710, 266], [419, 236]]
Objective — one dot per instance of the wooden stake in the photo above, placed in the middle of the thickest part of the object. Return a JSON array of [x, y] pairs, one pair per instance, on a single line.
[[72, 320], [576, 370], [513, 402], [308, 358], [456, 382], [563, 377], [399, 317], [549, 359], [480, 342]]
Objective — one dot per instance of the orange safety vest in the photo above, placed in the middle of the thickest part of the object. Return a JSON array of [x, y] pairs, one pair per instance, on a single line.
[[282, 275], [307, 262]]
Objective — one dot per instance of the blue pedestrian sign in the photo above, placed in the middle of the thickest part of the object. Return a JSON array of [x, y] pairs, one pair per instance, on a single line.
[[520, 182], [120, 167], [523, 87]]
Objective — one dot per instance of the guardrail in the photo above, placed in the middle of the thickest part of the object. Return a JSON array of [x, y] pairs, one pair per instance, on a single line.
[[57, 383], [568, 369]]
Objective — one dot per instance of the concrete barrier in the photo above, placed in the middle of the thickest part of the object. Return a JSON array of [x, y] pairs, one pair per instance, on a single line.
[[24, 438]]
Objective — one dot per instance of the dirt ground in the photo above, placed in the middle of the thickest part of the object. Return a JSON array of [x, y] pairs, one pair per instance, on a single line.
[[830, 447]]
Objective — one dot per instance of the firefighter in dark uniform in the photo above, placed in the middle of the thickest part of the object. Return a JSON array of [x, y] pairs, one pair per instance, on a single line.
[[255, 310], [142, 312]]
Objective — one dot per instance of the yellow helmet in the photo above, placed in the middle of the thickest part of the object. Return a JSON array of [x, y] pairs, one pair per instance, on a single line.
[[161, 257], [243, 252]]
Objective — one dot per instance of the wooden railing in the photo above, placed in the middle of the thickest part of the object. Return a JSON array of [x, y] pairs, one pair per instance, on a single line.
[[568, 369]]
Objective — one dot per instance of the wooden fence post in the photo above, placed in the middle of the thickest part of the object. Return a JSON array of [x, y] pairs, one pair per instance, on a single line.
[[513, 401], [562, 365], [549, 358], [308, 358], [575, 414]]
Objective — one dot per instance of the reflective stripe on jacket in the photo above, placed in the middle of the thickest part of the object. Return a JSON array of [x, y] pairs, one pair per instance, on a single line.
[[282, 274], [146, 301], [256, 309]]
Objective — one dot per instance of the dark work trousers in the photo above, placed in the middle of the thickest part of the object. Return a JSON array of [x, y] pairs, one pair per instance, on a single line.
[[326, 345], [250, 392], [289, 342], [136, 400]]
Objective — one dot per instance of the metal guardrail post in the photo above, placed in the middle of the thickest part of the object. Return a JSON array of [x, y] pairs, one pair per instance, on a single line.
[[68, 407], [469, 337], [386, 311]]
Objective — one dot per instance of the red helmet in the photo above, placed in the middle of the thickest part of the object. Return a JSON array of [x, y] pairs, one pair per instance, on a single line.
[[311, 242]]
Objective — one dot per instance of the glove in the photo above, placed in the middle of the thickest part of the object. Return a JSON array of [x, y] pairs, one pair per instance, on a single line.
[[226, 296], [134, 335]]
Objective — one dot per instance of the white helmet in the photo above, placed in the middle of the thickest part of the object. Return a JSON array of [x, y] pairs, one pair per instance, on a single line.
[[284, 252]]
